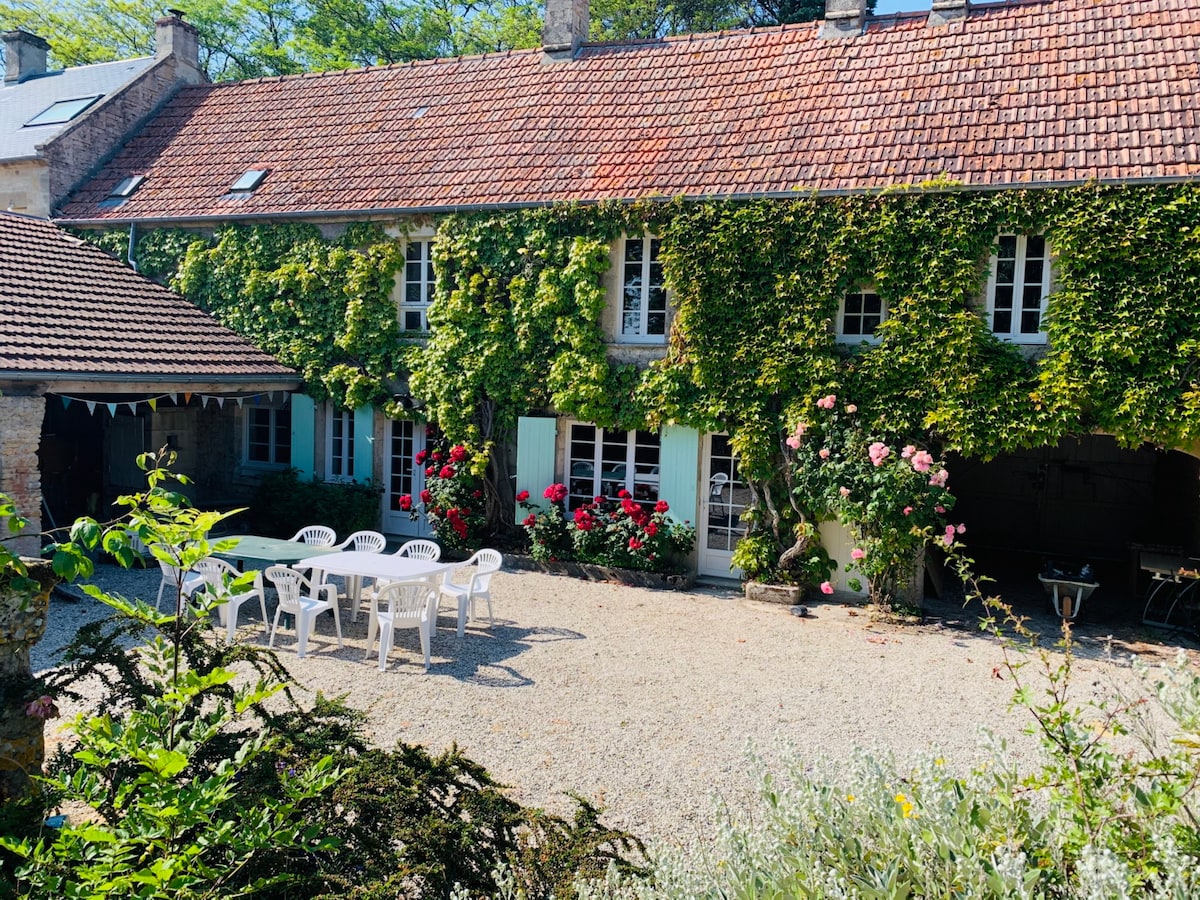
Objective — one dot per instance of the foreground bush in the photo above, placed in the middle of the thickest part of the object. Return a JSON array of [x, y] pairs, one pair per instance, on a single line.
[[184, 782]]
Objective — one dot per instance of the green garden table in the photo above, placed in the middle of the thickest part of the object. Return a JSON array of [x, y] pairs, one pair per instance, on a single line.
[[257, 551]]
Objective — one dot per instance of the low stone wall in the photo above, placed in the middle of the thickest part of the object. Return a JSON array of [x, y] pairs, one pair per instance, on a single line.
[[681, 581]]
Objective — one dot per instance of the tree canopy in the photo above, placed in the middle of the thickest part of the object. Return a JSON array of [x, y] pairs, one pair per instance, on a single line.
[[253, 38]]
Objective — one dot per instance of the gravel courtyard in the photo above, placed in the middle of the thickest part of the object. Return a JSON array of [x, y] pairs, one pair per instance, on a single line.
[[646, 701]]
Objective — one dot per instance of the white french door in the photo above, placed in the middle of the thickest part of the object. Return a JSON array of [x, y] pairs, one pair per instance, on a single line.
[[405, 439], [723, 496]]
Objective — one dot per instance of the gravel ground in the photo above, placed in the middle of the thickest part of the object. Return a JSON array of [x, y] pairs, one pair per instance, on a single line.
[[645, 701]]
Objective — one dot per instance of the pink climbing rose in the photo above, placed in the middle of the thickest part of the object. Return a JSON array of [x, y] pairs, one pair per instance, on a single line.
[[851, 408], [826, 587], [857, 553], [878, 452], [823, 453], [938, 479], [922, 460], [908, 510], [844, 491], [948, 538], [827, 402], [908, 451]]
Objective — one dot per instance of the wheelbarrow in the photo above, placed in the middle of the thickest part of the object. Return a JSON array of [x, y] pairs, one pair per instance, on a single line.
[[1068, 588]]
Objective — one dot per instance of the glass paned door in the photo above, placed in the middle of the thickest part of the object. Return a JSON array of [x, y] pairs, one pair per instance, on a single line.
[[405, 440], [723, 496]]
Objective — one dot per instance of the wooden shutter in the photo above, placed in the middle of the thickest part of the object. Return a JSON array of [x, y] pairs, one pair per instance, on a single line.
[[679, 470], [304, 416], [535, 457], [364, 443]]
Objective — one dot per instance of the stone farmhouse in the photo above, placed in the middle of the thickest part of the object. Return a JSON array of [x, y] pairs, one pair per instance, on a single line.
[[970, 103]]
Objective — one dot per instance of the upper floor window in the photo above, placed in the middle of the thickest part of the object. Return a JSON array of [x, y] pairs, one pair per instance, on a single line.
[[339, 444], [269, 436], [643, 296], [1018, 288], [860, 314], [601, 462], [417, 292]]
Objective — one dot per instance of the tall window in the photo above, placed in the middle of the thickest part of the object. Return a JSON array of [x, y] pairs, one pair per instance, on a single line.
[[339, 444], [269, 436], [860, 315], [643, 297], [605, 461], [418, 286], [1018, 287]]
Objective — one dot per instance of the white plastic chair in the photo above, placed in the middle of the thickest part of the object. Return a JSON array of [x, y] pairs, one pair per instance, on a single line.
[[365, 542], [300, 598], [405, 604], [192, 582], [421, 549], [216, 575], [315, 535], [487, 563]]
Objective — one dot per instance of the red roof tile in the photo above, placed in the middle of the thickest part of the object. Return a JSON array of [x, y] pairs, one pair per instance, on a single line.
[[1048, 92], [70, 309]]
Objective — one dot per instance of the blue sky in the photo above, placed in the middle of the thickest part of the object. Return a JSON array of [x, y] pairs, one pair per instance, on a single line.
[[890, 6]]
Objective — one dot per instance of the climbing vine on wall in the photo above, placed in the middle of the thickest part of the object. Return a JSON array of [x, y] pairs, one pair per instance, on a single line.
[[755, 288]]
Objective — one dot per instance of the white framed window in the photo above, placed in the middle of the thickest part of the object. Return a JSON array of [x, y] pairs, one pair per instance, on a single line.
[[859, 314], [643, 296], [417, 291], [1018, 286], [601, 462], [339, 444], [268, 436]]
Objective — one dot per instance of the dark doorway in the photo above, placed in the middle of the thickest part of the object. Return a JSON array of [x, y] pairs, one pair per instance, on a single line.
[[1085, 500]]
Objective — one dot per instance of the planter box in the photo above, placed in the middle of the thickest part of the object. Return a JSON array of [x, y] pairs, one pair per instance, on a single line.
[[677, 581], [787, 594]]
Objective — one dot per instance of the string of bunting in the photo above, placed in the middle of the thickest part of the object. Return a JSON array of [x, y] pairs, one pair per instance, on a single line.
[[174, 397]]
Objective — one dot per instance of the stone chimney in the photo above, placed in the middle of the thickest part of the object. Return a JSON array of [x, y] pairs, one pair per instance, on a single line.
[[944, 11], [24, 55], [843, 18], [173, 35], [566, 28]]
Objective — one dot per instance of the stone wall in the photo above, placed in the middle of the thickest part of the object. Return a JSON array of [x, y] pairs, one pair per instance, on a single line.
[[20, 475], [25, 187]]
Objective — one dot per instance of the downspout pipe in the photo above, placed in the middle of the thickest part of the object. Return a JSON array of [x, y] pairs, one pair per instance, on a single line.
[[132, 245]]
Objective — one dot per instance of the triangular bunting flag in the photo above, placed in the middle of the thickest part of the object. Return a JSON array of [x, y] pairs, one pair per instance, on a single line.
[[91, 405], [112, 409], [271, 396], [220, 402], [239, 402], [132, 407], [174, 398], [287, 399], [187, 398], [153, 401], [66, 402], [257, 399]]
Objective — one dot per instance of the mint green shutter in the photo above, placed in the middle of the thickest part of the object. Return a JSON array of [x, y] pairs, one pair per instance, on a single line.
[[679, 470], [535, 457], [364, 443], [304, 418]]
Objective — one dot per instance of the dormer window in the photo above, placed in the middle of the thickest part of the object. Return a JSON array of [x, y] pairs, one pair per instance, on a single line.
[[860, 314], [1018, 286], [125, 187], [249, 181], [62, 111], [643, 296]]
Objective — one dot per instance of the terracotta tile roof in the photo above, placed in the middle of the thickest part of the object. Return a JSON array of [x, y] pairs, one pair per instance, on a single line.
[[1047, 92], [68, 308]]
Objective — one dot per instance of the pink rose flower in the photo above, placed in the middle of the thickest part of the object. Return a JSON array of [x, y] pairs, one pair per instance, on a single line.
[[844, 491], [823, 453], [857, 553], [908, 510], [826, 587], [922, 461], [827, 402], [878, 453], [908, 451], [851, 408], [793, 442], [939, 509], [938, 479], [961, 528], [948, 538]]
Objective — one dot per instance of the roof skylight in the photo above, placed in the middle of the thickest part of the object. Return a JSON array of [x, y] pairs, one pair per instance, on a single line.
[[248, 182], [126, 186], [63, 111]]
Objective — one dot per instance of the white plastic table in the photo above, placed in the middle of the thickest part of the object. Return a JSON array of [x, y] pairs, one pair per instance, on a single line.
[[387, 566]]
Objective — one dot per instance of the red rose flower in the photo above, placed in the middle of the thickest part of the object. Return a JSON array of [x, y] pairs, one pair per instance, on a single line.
[[420, 457], [651, 529], [437, 455], [599, 498], [452, 514], [429, 472], [529, 521], [404, 501], [556, 493], [476, 494], [635, 544], [426, 497], [623, 494], [584, 520], [661, 506], [629, 506], [447, 472], [458, 453], [522, 496]]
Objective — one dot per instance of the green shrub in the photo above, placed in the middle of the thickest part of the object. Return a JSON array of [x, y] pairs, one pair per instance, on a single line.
[[283, 504]]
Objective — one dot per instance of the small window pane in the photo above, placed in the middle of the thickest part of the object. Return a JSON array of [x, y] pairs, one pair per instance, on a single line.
[[1002, 322], [1004, 298], [1035, 245], [1008, 246], [1006, 271]]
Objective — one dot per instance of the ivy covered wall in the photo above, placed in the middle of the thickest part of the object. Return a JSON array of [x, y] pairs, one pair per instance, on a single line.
[[756, 287]]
